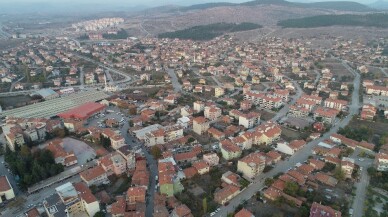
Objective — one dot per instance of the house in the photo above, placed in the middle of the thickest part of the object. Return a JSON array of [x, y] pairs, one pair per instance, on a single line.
[[229, 150], [245, 105], [212, 112], [168, 180], [181, 211], [327, 115], [200, 125], [225, 194], [231, 178], [266, 133], [129, 155], [60, 155], [113, 163], [211, 159], [272, 193], [347, 165], [336, 104], [136, 195], [213, 132], [272, 157], [6, 190], [319, 210], [326, 179], [219, 91], [94, 176], [202, 167], [249, 120], [251, 165], [244, 213], [290, 148], [368, 112], [381, 162]]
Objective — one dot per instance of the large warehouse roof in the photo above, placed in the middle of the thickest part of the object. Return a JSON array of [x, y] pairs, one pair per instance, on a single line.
[[53, 107], [83, 112]]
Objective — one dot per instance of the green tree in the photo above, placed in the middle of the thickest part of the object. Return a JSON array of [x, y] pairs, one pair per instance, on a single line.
[[99, 214], [291, 188], [339, 174], [269, 181], [204, 205], [156, 152]]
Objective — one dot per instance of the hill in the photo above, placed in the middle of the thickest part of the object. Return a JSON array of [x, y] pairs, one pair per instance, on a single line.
[[380, 5], [208, 32], [370, 20], [335, 5], [338, 5]]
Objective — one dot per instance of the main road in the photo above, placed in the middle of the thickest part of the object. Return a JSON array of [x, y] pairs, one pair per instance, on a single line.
[[298, 157]]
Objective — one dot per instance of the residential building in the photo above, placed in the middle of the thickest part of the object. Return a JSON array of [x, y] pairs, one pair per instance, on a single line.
[[249, 120], [381, 162], [113, 163], [319, 210], [347, 165], [252, 165], [229, 150], [211, 159], [94, 176], [212, 112], [200, 125], [6, 190], [71, 200], [225, 194], [290, 148], [202, 167]]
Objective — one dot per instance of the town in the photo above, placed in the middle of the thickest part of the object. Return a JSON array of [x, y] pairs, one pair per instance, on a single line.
[[169, 127]]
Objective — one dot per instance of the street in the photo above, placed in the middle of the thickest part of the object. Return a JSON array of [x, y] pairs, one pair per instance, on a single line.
[[174, 80]]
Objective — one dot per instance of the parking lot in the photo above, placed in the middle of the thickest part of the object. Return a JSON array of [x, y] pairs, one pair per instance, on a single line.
[[82, 151]]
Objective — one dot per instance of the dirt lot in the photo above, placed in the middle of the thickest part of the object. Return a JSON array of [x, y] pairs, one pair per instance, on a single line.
[[82, 151], [337, 69], [14, 101], [289, 135]]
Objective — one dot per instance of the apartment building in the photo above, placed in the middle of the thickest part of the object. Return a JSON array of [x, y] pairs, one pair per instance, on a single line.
[[251, 165]]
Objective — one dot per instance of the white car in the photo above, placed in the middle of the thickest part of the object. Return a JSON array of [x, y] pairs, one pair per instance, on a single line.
[[212, 214]]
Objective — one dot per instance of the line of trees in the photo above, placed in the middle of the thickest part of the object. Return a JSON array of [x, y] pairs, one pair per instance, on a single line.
[[32, 167], [379, 20], [208, 32]]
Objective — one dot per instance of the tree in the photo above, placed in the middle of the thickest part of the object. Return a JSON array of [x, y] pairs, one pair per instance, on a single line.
[[269, 181], [156, 152], [130, 122], [99, 214], [339, 173], [204, 205], [291, 188]]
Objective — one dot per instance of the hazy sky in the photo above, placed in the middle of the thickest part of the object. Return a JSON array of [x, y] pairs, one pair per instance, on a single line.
[[152, 2]]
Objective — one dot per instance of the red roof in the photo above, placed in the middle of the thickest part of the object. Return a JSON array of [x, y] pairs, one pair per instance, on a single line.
[[83, 112]]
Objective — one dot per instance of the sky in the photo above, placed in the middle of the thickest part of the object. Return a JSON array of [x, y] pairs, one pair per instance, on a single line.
[[151, 2], [84, 6]]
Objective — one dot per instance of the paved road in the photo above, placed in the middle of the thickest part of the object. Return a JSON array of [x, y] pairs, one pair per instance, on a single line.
[[81, 77], [217, 81], [358, 203], [384, 71], [317, 78], [14, 83], [126, 79], [286, 107], [300, 156], [174, 80]]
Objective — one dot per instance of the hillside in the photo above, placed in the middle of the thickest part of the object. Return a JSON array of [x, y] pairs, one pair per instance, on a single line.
[[338, 5], [335, 5], [207, 32], [370, 20]]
